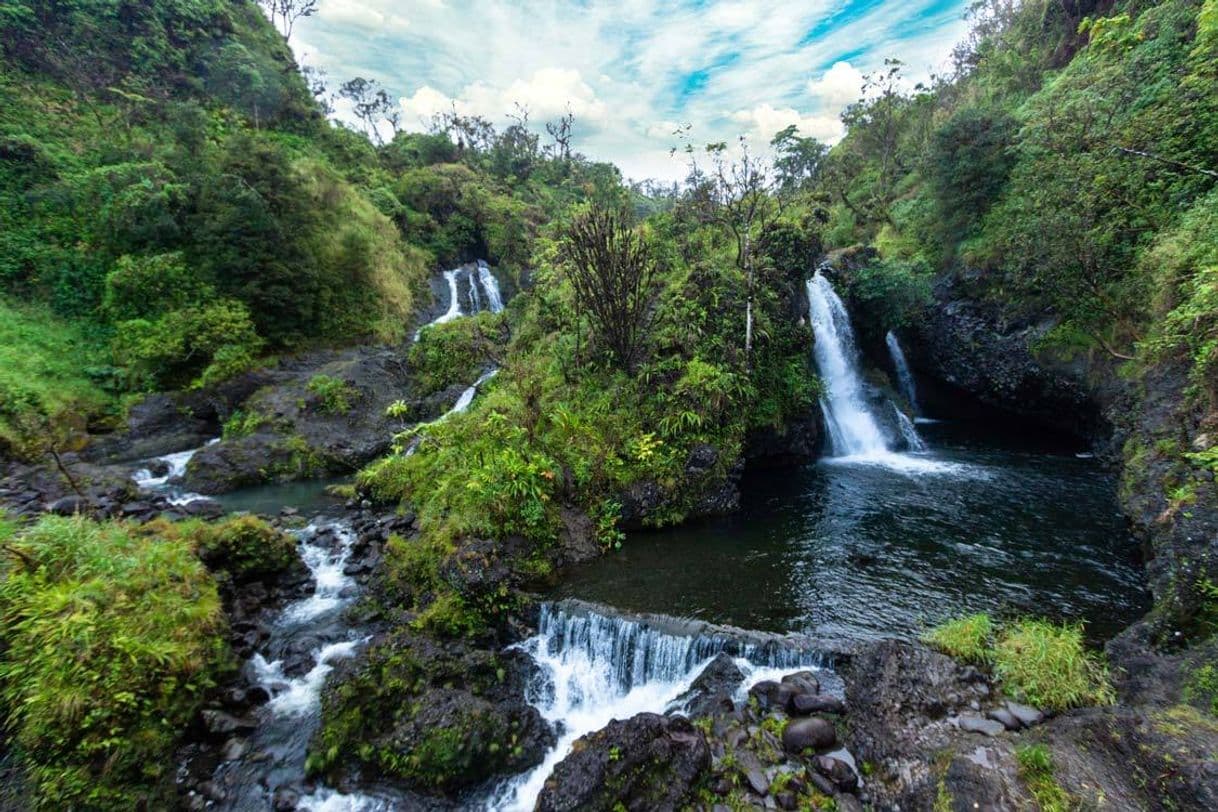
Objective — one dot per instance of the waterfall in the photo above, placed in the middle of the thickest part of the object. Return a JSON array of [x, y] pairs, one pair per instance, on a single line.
[[475, 301], [175, 467], [913, 441], [594, 668], [454, 300], [853, 429], [904, 376], [491, 285]]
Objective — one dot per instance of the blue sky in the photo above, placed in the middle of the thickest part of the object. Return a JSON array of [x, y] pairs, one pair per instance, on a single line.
[[631, 70]]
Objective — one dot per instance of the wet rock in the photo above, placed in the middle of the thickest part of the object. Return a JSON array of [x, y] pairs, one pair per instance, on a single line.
[[758, 781], [975, 724], [804, 704], [812, 733], [837, 771], [233, 749], [648, 762], [219, 723], [68, 506], [1004, 717], [711, 692], [286, 799], [773, 695], [212, 791], [803, 681], [1027, 716]]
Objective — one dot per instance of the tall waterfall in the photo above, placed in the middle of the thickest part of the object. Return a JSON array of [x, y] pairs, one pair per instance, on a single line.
[[853, 428], [593, 668], [904, 376], [491, 285]]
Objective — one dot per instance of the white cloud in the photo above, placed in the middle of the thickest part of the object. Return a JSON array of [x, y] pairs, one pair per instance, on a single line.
[[765, 120], [839, 86], [361, 15], [632, 70]]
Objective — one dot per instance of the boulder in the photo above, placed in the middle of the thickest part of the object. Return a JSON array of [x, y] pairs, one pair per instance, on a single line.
[[711, 692], [648, 762], [812, 733]]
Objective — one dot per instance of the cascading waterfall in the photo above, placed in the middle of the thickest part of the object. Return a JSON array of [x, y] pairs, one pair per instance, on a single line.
[[904, 376], [175, 467], [491, 285], [454, 300], [853, 429], [475, 301], [594, 668]]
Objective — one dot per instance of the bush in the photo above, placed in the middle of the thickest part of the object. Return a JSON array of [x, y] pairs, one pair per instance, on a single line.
[[1049, 666], [244, 547], [195, 346], [967, 638], [454, 352], [112, 640], [891, 292], [334, 396]]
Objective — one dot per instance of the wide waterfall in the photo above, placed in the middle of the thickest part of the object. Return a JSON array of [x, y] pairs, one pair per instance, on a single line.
[[853, 428], [595, 667], [904, 376]]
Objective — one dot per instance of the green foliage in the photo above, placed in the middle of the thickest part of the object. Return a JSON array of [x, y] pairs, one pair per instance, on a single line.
[[969, 162], [111, 642], [891, 292], [968, 638], [1049, 666], [333, 395], [1202, 687], [244, 547], [190, 347], [1036, 769], [50, 380], [455, 352]]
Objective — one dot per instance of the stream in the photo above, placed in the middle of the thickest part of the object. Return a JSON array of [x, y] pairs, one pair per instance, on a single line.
[[899, 527]]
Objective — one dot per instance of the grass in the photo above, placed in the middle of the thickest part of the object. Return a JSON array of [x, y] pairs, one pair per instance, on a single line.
[[1038, 662], [1048, 666], [967, 638], [1036, 769], [45, 384], [110, 641]]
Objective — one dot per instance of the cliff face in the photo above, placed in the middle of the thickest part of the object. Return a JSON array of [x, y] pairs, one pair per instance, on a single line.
[[1143, 417]]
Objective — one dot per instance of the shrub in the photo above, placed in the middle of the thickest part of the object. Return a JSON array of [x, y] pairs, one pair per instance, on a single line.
[[967, 638], [334, 396], [1048, 666], [1202, 687], [454, 352], [245, 547], [111, 642]]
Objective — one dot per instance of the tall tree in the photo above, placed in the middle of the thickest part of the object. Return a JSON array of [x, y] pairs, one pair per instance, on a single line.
[[611, 268]]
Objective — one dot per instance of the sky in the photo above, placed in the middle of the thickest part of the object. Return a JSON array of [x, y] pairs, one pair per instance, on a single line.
[[632, 71]]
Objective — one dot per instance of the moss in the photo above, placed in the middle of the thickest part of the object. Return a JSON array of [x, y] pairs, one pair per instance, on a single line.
[[1036, 769], [112, 640], [967, 638]]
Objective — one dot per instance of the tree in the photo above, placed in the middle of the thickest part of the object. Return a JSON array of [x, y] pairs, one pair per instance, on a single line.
[[372, 105], [611, 268], [285, 13], [560, 131], [738, 195], [797, 160]]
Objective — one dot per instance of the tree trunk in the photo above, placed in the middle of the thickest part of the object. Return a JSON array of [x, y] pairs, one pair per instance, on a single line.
[[748, 307]]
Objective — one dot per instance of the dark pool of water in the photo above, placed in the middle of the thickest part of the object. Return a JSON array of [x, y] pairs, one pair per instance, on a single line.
[[1008, 523], [308, 496]]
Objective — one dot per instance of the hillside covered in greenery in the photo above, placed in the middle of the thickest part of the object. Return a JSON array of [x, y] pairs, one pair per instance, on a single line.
[[179, 214]]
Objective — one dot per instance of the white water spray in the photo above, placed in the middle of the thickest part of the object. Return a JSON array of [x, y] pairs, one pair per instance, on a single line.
[[595, 668], [904, 376], [491, 285], [853, 429], [175, 467]]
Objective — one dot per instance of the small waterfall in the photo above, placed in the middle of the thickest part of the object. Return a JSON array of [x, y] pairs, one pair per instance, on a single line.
[[475, 301], [913, 442], [491, 285], [454, 299], [175, 467], [904, 376], [853, 429], [594, 668]]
